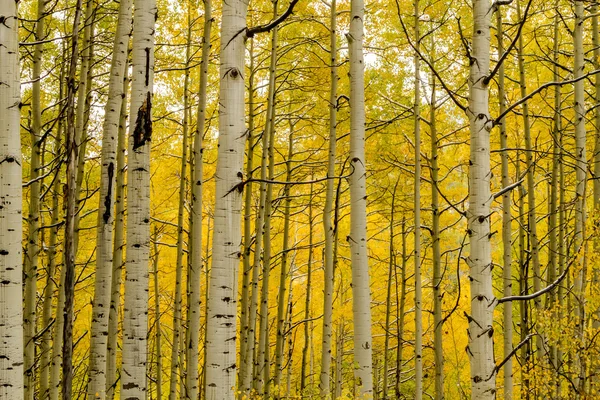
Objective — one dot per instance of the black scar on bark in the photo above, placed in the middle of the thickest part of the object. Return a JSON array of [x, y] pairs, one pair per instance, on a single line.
[[107, 205], [143, 124]]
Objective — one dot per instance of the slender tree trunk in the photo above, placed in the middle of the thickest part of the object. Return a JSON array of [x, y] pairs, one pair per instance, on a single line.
[[135, 326], [196, 240], [388, 305], [282, 299], [33, 217], [118, 244], [307, 311], [158, 335], [263, 344], [178, 301], [104, 262], [481, 339], [248, 339], [49, 290], [417, 219], [70, 247], [400, 310], [506, 221], [328, 228], [221, 323], [11, 231], [361, 299], [581, 176]]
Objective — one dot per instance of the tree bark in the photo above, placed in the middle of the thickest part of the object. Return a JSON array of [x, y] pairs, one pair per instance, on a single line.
[[11, 231], [135, 326], [222, 304], [361, 299]]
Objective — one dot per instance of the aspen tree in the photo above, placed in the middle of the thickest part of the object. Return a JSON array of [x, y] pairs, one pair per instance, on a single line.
[[104, 237], [249, 329], [70, 245], [328, 228], [157, 316], [481, 339], [135, 325], [118, 245], [263, 343], [417, 217], [196, 214], [596, 160], [307, 300], [176, 365], [401, 302], [361, 299], [435, 245], [11, 311], [221, 322], [31, 259], [285, 270], [580, 204], [506, 220]]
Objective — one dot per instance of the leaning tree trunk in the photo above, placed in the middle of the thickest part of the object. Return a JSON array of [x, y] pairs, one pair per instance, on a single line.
[[106, 217], [506, 222], [481, 339], [221, 324], [328, 228], [135, 319], [361, 299], [11, 231]]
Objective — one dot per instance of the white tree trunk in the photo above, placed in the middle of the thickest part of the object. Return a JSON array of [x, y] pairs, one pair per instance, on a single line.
[[106, 217], [221, 324], [135, 326], [11, 231], [328, 228], [481, 340], [196, 241], [361, 299]]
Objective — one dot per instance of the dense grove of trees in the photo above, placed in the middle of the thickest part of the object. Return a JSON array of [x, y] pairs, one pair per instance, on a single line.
[[299, 199]]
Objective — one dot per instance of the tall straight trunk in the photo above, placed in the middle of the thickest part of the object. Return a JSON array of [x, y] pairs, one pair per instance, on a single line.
[[104, 237], [481, 333], [506, 222], [49, 289], [158, 335], [196, 216], [248, 288], [135, 319], [328, 228], [221, 323], [580, 179], [11, 231], [249, 325], [33, 217], [307, 303], [178, 300], [118, 244], [417, 218], [531, 214], [596, 188], [401, 302], [282, 299], [339, 353], [263, 344], [523, 286], [361, 299], [435, 245], [553, 252], [388, 304], [70, 246]]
